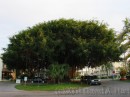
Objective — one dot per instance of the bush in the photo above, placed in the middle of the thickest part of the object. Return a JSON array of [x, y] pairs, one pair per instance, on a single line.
[[123, 72], [57, 72], [128, 77], [103, 77]]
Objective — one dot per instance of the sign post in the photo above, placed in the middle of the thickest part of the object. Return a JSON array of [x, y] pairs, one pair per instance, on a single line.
[[25, 79]]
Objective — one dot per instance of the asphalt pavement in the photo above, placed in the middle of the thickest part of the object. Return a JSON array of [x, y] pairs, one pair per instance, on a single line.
[[109, 88], [7, 86]]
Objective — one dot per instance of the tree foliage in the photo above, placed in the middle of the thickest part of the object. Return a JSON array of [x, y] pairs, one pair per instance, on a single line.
[[58, 71], [65, 41], [124, 39], [108, 67]]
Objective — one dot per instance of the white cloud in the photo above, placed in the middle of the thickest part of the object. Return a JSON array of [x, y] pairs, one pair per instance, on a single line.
[[16, 15]]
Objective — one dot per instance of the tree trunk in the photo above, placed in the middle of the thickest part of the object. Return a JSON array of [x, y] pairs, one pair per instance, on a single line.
[[72, 72]]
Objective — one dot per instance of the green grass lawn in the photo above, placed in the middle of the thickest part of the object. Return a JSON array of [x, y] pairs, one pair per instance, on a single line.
[[49, 87]]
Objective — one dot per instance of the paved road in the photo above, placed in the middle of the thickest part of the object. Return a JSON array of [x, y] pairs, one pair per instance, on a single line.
[[108, 88], [7, 86]]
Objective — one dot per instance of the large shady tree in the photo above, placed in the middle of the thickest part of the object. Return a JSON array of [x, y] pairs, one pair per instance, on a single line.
[[63, 41]]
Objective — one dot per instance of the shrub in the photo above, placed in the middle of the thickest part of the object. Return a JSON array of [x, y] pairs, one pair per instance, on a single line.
[[123, 72]]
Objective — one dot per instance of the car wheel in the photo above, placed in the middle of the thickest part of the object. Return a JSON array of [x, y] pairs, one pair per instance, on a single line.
[[99, 84]]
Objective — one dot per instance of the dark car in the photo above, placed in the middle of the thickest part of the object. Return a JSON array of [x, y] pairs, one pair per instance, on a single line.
[[91, 80], [38, 80]]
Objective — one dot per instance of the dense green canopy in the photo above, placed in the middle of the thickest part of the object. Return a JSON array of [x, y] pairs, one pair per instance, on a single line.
[[65, 41]]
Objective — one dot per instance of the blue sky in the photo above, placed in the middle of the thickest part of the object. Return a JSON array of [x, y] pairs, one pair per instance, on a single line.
[[17, 15]]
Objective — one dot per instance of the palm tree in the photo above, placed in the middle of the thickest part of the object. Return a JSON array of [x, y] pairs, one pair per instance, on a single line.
[[124, 40], [108, 68]]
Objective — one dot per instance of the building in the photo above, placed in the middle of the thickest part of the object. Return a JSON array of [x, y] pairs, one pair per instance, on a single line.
[[101, 71], [6, 74]]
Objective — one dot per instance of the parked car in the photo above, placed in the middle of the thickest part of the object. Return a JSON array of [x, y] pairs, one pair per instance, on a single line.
[[38, 80], [91, 80]]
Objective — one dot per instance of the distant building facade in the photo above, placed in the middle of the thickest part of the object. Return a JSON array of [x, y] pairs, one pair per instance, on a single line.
[[6, 74], [102, 71]]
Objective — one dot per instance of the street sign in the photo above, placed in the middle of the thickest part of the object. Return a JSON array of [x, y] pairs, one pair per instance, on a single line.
[[25, 79]]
